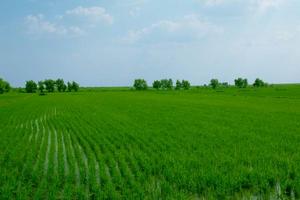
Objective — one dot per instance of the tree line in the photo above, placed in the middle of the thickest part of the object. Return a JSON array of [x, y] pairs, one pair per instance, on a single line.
[[59, 85], [167, 84], [50, 86], [164, 84], [239, 83]]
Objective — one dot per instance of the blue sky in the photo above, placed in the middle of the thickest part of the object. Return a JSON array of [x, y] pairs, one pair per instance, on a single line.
[[109, 43]]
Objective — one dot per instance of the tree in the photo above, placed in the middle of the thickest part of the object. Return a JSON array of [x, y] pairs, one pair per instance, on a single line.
[[30, 86], [140, 84], [166, 84], [50, 85], [75, 86], [4, 86], [241, 83], [156, 84], [186, 85], [69, 87], [225, 84], [170, 84], [60, 84], [64, 88], [245, 83], [259, 83], [178, 85], [214, 83], [41, 88]]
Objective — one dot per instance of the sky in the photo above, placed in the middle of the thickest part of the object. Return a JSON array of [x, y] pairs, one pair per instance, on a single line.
[[112, 42]]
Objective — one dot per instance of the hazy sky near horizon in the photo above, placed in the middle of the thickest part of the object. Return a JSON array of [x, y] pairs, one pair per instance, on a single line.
[[112, 42]]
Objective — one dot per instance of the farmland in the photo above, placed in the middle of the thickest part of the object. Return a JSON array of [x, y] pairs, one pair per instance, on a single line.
[[123, 144]]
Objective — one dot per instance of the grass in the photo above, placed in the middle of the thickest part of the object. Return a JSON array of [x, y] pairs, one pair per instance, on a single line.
[[123, 144]]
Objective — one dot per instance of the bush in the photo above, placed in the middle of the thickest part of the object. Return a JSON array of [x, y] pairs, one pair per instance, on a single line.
[[241, 83], [30, 86], [4, 86], [259, 83], [140, 84], [214, 83], [156, 84]]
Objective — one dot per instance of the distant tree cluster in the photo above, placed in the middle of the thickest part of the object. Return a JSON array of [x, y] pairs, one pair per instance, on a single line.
[[259, 83], [4, 86], [239, 83], [182, 85], [214, 83], [140, 84], [31, 87], [164, 84], [50, 86]]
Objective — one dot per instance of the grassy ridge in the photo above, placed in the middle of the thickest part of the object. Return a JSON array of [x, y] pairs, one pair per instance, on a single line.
[[150, 145]]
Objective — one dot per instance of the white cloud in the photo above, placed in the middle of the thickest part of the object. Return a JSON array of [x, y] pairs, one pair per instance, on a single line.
[[95, 14], [134, 11], [284, 35], [76, 30], [36, 24], [262, 6], [259, 6], [136, 6], [288, 34], [189, 27], [211, 3], [214, 2]]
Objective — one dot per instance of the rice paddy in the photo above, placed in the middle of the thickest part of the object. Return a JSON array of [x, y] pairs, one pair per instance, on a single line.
[[122, 144]]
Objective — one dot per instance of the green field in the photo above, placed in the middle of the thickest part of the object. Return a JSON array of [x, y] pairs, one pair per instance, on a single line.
[[123, 144]]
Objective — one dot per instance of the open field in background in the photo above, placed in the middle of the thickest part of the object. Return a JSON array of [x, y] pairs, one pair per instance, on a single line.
[[122, 144]]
